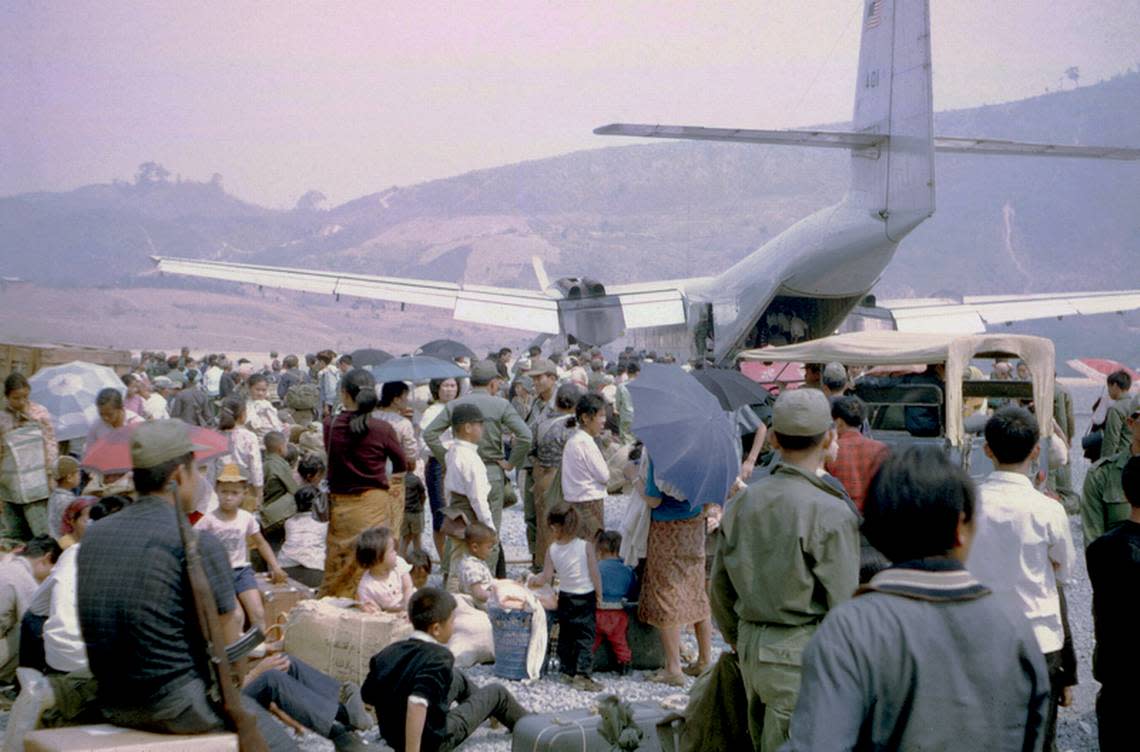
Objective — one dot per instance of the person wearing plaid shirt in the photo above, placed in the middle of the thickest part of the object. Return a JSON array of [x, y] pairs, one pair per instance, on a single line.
[[136, 611], [859, 457]]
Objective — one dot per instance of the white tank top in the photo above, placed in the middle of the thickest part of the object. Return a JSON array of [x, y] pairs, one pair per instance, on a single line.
[[572, 567]]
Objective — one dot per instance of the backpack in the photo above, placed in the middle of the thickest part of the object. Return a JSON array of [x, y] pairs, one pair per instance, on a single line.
[[303, 397]]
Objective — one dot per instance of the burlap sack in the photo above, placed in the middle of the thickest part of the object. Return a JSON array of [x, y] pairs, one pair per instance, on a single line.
[[334, 637]]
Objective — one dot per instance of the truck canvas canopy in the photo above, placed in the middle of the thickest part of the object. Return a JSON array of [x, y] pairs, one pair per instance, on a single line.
[[953, 351]]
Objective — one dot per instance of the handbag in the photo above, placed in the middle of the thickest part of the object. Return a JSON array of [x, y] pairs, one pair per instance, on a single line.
[[1090, 445], [23, 472], [277, 511], [454, 527], [321, 507]]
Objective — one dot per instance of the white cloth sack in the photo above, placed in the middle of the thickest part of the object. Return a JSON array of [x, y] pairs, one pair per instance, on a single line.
[[473, 640]]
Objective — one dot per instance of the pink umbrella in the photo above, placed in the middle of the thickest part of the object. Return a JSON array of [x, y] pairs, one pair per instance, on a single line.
[[112, 453]]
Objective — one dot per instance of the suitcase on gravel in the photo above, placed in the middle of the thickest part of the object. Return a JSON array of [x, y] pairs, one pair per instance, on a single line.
[[577, 730]]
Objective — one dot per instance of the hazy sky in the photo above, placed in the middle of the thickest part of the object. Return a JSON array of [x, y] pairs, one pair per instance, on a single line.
[[352, 97]]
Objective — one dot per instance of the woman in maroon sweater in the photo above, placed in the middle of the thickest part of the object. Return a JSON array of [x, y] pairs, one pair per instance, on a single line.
[[361, 495]]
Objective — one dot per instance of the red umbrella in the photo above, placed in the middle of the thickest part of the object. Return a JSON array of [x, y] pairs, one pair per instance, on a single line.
[[112, 453]]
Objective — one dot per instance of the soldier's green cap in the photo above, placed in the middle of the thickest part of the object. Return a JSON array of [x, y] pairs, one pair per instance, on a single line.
[[801, 412], [540, 366], [160, 441], [465, 413], [483, 371]]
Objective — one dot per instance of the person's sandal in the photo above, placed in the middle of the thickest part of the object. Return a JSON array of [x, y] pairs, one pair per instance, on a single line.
[[695, 669], [664, 677]]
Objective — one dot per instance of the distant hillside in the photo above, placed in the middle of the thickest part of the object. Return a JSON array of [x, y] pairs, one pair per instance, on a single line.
[[1003, 224]]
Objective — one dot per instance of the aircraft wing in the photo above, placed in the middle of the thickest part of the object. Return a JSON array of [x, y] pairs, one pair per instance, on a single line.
[[517, 309], [654, 304], [974, 313]]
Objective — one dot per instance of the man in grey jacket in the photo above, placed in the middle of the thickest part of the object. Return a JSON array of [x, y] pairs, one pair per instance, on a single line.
[[924, 657]]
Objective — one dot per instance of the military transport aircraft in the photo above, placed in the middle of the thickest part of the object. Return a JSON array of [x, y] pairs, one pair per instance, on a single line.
[[803, 283]]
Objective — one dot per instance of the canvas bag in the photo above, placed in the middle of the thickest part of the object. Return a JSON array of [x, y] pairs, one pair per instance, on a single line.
[[277, 511], [23, 472]]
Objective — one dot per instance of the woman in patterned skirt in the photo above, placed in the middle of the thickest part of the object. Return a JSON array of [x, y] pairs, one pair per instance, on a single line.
[[674, 594]]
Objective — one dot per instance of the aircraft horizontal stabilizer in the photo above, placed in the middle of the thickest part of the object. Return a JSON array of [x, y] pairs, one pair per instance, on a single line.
[[860, 141], [954, 145], [822, 139]]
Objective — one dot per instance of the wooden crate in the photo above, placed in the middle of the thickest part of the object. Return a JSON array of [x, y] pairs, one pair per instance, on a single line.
[[29, 358]]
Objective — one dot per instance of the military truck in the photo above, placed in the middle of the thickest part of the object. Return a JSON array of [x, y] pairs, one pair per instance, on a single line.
[[939, 386]]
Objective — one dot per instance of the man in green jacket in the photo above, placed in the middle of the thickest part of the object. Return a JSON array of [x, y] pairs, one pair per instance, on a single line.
[[1103, 504], [623, 405], [544, 374], [499, 417], [1061, 477], [1116, 435], [788, 554]]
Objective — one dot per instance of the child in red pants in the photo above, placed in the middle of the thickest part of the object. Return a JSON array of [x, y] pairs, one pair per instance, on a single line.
[[611, 619]]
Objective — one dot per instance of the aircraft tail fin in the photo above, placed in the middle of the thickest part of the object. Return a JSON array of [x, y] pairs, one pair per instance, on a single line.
[[893, 99], [540, 273]]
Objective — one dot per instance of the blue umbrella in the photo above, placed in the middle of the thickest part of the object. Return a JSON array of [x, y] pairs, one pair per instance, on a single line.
[[416, 369], [689, 437], [68, 392]]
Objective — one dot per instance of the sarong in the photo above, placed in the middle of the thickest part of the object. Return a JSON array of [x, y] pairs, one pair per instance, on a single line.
[[349, 516], [674, 591]]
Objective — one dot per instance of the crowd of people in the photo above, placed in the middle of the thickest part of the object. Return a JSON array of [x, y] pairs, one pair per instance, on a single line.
[[849, 581]]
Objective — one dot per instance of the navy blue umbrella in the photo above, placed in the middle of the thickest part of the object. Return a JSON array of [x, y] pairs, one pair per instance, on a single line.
[[446, 348], [416, 369], [369, 357], [689, 437]]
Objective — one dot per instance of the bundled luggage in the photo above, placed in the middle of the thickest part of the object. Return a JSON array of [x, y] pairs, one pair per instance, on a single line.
[[334, 636]]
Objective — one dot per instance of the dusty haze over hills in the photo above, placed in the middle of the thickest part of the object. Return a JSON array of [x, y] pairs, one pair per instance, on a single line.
[[347, 96], [624, 213]]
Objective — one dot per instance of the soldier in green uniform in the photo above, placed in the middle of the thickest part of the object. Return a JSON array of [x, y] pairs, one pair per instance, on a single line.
[[788, 553], [623, 406], [1116, 435], [544, 374], [1061, 478], [1103, 504], [499, 417]]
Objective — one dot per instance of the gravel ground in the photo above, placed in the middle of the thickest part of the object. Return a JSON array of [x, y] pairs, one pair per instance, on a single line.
[[1076, 725]]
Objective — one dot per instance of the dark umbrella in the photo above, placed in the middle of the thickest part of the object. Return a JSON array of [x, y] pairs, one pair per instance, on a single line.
[[369, 357], [447, 349], [732, 388], [417, 369], [689, 437]]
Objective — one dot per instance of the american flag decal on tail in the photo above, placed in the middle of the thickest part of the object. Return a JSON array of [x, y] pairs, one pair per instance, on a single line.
[[874, 14]]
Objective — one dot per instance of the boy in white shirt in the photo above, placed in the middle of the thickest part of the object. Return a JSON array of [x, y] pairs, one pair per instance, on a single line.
[[234, 527], [467, 487], [1022, 547]]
